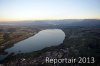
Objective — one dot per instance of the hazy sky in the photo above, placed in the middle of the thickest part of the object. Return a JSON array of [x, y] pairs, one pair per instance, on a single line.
[[48, 9]]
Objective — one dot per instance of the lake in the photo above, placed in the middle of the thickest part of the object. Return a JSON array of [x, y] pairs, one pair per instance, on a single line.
[[43, 39]]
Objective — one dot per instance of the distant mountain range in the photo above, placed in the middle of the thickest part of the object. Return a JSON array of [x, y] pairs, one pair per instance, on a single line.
[[66, 22]]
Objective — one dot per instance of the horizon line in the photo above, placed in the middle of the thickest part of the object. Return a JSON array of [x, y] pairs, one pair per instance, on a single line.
[[51, 19]]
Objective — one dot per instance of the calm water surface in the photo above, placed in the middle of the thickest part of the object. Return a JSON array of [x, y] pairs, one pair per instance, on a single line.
[[45, 38]]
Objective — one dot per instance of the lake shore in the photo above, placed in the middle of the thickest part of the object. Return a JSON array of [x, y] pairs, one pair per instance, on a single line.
[[12, 42]]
